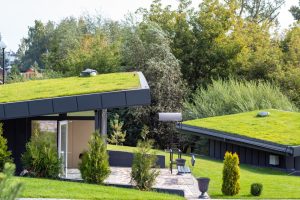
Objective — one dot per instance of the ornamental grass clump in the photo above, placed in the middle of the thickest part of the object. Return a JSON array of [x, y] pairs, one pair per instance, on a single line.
[[143, 174], [231, 174], [94, 166]]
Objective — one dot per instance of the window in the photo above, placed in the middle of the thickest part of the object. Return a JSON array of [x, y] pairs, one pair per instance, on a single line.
[[274, 160]]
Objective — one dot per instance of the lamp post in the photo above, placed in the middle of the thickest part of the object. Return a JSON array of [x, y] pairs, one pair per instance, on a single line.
[[3, 46]]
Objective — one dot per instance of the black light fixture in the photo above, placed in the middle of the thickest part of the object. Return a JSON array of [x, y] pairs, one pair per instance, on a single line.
[[3, 46]]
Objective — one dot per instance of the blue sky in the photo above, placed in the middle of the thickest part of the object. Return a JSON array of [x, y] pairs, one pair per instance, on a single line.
[[17, 15]]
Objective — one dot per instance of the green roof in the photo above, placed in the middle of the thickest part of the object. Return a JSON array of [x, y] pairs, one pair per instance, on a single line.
[[49, 88], [281, 127]]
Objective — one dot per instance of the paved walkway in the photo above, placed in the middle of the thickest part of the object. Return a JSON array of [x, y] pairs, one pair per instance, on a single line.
[[165, 180]]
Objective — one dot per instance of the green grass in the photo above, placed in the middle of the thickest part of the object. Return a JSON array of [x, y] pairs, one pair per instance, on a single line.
[[280, 127], [277, 185], [39, 89], [44, 188]]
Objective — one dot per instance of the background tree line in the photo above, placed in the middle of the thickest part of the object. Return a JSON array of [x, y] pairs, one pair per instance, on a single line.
[[181, 51]]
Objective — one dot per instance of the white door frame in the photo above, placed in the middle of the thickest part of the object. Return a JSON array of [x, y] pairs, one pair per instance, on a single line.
[[65, 161]]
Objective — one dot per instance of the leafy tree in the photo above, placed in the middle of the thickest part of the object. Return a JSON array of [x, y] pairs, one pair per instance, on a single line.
[[162, 71], [94, 167], [117, 136], [260, 10], [9, 188], [5, 155], [295, 11], [231, 174], [142, 174]]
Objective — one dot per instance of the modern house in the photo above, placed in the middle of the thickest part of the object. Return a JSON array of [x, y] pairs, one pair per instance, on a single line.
[[270, 141], [65, 101]]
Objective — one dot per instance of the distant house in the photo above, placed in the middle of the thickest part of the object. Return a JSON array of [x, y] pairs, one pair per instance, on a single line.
[[31, 73], [271, 141]]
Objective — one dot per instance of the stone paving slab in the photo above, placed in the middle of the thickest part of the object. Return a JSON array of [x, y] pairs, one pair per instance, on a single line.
[[165, 180]]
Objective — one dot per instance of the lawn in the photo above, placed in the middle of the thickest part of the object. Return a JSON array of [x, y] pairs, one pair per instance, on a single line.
[[280, 127], [44, 188], [39, 89], [276, 184]]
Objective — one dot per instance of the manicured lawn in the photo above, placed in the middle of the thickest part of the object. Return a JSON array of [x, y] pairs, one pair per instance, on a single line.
[[276, 184], [280, 127], [39, 89], [43, 188]]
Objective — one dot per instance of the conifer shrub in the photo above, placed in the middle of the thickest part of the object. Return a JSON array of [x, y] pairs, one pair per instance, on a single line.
[[9, 188], [256, 189], [117, 136], [143, 174], [5, 155], [40, 158], [231, 174], [94, 166]]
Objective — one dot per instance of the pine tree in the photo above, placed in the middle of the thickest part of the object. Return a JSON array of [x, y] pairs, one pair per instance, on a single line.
[[118, 136], [4, 153]]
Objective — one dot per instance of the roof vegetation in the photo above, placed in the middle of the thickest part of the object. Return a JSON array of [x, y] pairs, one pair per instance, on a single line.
[[48, 88], [281, 127]]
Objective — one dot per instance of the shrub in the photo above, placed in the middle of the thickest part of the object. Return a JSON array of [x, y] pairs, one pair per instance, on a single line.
[[142, 174], [117, 136], [256, 189], [40, 158], [9, 189], [94, 166], [4, 153], [231, 174], [233, 96]]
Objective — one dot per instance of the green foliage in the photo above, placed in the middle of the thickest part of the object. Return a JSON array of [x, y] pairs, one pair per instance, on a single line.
[[5, 155], [94, 166], [295, 11], [233, 96], [41, 158], [256, 189], [142, 174], [117, 136], [231, 174], [9, 189]]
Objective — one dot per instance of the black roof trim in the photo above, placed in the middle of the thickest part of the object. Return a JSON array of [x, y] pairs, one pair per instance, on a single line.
[[242, 140], [77, 103]]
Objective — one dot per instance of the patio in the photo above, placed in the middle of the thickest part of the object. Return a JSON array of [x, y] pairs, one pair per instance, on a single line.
[[165, 180]]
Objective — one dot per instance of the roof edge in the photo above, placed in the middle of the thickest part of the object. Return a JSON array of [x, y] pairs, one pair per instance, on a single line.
[[143, 81], [224, 136]]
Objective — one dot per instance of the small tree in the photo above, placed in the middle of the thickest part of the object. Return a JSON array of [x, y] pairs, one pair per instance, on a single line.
[[94, 167], [231, 174], [118, 136], [142, 174], [41, 158], [4, 153], [9, 189]]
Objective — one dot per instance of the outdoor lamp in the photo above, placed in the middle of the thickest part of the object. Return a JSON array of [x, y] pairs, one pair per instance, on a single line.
[[3, 46]]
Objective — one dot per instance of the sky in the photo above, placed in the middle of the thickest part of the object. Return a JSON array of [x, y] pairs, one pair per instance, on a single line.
[[17, 15]]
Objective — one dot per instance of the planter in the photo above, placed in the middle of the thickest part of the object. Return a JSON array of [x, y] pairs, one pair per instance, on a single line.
[[203, 187], [180, 162]]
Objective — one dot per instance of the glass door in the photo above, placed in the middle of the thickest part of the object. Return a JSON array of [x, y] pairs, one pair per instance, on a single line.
[[63, 147]]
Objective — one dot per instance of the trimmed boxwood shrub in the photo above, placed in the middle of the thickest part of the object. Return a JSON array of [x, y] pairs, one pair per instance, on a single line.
[[94, 166], [256, 189], [231, 174]]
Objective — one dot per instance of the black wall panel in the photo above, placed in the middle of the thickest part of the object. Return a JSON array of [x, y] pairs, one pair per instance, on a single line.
[[297, 163], [254, 157], [217, 150], [1, 111], [223, 149], [242, 156], [262, 158], [211, 148], [248, 156]]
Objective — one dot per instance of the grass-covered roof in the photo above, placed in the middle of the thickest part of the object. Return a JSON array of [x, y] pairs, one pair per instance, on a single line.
[[280, 127], [49, 88]]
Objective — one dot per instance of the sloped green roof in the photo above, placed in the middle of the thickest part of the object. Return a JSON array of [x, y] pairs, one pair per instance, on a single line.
[[280, 127], [49, 88]]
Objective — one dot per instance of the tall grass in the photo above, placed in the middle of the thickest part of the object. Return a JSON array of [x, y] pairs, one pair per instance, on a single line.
[[234, 96]]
